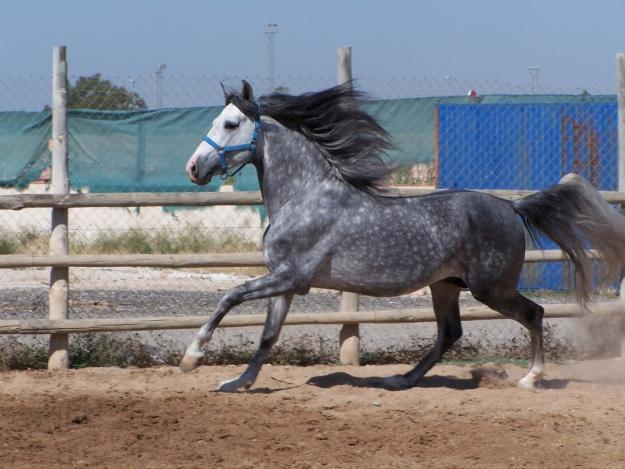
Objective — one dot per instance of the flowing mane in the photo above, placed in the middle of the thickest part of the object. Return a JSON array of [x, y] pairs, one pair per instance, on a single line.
[[351, 140]]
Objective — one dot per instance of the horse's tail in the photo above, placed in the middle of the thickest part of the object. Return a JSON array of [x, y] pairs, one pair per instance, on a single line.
[[574, 215]]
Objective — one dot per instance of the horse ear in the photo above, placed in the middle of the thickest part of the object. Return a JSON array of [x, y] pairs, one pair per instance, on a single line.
[[247, 93], [223, 88]]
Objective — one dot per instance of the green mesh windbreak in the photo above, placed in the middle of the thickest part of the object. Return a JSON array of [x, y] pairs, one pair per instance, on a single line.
[[134, 151]]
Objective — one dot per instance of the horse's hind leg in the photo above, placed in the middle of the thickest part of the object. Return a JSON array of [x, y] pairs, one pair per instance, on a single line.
[[528, 313], [276, 312], [445, 301]]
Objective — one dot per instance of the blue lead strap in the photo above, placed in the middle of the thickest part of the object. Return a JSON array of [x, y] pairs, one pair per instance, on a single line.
[[221, 150]]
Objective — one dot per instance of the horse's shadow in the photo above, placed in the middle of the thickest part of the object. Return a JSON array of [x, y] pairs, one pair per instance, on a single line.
[[479, 377], [345, 379], [555, 383], [435, 381]]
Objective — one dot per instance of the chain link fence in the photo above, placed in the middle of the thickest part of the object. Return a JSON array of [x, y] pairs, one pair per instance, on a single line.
[[138, 132]]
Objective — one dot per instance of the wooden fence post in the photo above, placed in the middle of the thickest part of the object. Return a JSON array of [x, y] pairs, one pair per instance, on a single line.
[[58, 356], [349, 337], [620, 98]]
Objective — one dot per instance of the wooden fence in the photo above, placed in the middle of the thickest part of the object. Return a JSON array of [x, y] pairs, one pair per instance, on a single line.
[[60, 201], [349, 316]]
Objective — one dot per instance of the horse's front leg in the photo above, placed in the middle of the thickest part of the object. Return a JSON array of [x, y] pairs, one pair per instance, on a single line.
[[276, 283], [276, 312]]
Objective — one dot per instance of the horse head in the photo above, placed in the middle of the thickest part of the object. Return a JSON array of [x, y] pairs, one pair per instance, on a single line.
[[231, 141]]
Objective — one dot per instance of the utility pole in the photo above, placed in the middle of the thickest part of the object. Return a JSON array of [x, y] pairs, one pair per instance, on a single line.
[[132, 90], [159, 84], [270, 31], [534, 73]]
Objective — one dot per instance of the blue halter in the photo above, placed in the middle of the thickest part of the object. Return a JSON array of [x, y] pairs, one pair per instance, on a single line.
[[221, 150]]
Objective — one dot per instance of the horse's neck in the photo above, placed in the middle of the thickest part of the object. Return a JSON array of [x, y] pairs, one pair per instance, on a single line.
[[291, 167]]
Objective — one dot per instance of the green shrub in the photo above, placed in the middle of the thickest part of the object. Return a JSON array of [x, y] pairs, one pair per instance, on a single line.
[[190, 239], [15, 355], [25, 240], [8, 245]]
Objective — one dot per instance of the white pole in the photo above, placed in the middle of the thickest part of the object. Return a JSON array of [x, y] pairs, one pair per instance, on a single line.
[[345, 64], [270, 31], [349, 336], [58, 357], [159, 84]]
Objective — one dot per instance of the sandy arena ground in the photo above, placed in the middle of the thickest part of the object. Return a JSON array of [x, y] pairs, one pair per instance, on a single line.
[[317, 416]]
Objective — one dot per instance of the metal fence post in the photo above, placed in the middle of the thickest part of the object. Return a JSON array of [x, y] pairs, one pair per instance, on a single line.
[[58, 357], [349, 336]]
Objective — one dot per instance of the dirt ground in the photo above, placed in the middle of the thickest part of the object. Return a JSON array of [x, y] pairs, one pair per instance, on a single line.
[[319, 416]]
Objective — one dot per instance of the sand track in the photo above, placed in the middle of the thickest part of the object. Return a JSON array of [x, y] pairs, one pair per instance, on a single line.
[[317, 416]]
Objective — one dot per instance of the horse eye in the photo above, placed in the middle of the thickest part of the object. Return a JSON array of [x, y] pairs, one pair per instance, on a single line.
[[229, 125]]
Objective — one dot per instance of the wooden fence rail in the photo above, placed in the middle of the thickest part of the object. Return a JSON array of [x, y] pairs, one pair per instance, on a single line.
[[199, 199], [416, 315], [129, 199], [234, 259]]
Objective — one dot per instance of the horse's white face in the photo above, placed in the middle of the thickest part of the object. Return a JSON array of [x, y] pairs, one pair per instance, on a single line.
[[231, 127]]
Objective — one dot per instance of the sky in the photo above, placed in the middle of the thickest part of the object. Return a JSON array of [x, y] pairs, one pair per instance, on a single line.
[[573, 42]]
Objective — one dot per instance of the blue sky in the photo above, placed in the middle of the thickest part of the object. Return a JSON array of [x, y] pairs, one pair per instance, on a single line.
[[573, 42]]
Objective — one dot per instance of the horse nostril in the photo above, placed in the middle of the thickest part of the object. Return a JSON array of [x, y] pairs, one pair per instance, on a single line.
[[193, 170]]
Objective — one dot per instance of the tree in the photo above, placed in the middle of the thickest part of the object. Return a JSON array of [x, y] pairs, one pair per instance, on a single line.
[[94, 92]]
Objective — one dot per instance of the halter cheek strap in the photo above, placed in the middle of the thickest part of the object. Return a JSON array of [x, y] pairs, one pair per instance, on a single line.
[[223, 150]]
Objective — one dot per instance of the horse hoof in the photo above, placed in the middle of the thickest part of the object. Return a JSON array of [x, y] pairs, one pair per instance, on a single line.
[[230, 385], [528, 382], [233, 385], [189, 363]]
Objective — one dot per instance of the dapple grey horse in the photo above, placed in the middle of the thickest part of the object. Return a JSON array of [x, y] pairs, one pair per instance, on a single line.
[[320, 168]]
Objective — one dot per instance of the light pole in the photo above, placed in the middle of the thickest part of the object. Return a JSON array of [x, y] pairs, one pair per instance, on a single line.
[[132, 92], [534, 73], [270, 31], [159, 84]]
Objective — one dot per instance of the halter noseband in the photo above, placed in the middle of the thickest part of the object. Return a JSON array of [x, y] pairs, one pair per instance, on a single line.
[[222, 150]]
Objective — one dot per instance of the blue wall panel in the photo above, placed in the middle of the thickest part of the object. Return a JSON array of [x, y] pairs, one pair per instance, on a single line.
[[527, 146]]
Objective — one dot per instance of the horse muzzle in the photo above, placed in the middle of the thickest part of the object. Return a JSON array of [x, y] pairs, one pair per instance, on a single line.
[[194, 175]]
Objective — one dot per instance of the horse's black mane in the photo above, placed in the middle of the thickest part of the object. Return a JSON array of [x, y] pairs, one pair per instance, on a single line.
[[350, 139]]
